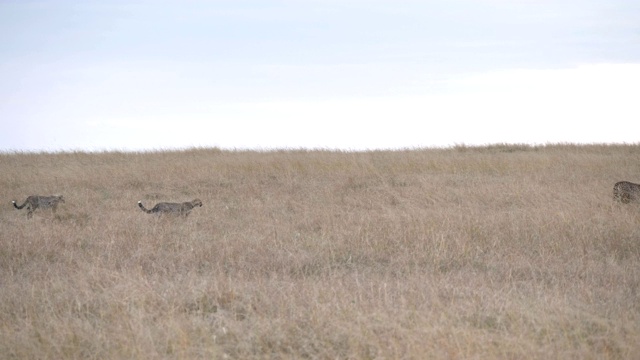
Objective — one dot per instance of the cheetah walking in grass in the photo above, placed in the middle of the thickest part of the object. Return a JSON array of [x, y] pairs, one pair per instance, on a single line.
[[181, 209], [34, 202], [626, 192]]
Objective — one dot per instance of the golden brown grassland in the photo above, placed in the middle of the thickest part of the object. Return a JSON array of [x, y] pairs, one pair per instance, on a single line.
[[502, 251]]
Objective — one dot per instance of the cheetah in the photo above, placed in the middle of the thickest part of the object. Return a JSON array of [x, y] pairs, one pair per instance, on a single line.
[[181, 209], [36, 201], [626, 192]]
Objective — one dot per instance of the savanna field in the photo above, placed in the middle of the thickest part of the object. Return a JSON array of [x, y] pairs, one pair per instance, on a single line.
[[494, 252]]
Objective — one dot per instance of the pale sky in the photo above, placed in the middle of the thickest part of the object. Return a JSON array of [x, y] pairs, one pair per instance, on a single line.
[[349, 74]]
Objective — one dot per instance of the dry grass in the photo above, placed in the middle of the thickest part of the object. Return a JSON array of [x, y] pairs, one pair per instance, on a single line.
[[493, 252]]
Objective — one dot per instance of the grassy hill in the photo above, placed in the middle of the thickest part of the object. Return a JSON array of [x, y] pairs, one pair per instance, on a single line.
[[502, 251]]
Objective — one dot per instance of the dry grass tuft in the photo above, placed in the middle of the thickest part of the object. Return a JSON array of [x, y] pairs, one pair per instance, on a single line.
[[503, 251]]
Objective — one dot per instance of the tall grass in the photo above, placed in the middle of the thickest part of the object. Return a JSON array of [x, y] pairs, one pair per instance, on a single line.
[[503, 251]]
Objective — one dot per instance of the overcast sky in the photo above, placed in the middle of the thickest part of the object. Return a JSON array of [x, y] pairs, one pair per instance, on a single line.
[[348, 74]]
